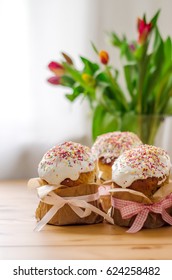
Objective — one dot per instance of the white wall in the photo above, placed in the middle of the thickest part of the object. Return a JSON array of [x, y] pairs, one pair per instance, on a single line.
[[57, 26], [35, 115]]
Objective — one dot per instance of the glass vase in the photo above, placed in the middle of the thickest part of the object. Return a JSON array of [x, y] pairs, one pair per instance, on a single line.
[[148, 126], [151, 129]]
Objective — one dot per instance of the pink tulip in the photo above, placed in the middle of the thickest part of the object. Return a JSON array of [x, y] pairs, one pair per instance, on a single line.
[[56, 68], [54, 80], [132, 47], [143, 29]]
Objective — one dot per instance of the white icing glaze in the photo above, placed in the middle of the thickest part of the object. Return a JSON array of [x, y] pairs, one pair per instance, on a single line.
[[66, 160], [112, 144], [140, 163]]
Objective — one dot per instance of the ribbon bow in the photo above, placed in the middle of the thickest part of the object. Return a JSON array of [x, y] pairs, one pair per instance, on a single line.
[[129, 209], [75, 203], [104, 190]]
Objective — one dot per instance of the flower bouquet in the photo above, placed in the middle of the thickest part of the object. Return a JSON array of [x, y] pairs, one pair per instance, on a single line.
[[140, 107]]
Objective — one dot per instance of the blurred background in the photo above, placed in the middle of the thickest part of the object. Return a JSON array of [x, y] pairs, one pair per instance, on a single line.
[[34, 115]]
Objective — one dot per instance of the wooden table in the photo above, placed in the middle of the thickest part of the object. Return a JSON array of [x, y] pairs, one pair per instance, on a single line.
[[101, 241]]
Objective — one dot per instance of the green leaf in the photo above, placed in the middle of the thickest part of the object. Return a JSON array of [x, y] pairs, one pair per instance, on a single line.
[[94, 48], [152, 75], [168, 109], [78, 90], [164, 93], [127, 52], [117, 92], [105, 97], [167, 55], [104, 122], [130, 72], [115, 39], [168, 49], [100, 76], [75, 74], [155, 18], [144, 17], [89, 67], [67, 81], [157, 40]]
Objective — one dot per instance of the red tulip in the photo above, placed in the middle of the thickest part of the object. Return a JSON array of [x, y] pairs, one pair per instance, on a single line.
[[54, 80], [144, 29], [104, 57], [56, 68]]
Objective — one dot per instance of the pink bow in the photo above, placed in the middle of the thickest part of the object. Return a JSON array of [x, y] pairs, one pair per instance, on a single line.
[[104, 190], [129, 209]]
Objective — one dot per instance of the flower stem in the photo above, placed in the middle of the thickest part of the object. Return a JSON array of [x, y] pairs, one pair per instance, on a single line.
[[116, 89]]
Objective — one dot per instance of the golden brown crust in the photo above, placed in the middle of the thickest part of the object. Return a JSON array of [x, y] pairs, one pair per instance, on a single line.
[[103, 161], [105, 169], [147, 186], [84, 178]]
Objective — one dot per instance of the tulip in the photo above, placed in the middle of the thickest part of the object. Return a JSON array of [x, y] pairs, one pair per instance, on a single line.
[[88, 79], [56, 68], [54, 80], [67, 58], [104, 57], [132, 47], [144, 29]]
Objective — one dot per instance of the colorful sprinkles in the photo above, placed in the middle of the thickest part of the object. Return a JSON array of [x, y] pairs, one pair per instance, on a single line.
[[113, 144], [66, 160], [140, 163]]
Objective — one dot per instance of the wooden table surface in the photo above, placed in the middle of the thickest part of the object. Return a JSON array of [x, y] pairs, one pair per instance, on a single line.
[[100, 241]]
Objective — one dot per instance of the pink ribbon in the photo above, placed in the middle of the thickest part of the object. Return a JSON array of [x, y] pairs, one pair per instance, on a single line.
[[104, 190], [80, 205], [129, 209]]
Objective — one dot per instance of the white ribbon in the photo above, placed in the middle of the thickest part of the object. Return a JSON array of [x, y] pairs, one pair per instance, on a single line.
[[75, 203]]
